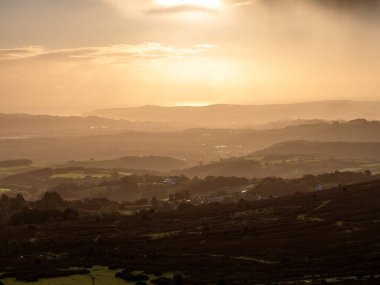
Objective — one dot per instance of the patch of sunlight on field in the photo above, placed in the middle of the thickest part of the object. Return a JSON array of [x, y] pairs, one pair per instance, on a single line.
[[246, 258], [365, 165], [250, 213], [352, 169], [4, 190], [163, 235], [6, 171], [81, 175], [126, 173], [69, 280], [373, 164], [103, 275], [305, 218], [99, 275], [127, 212]]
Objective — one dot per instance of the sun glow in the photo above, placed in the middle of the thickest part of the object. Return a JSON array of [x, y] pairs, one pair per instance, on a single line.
[[209, 4], [192, 104]]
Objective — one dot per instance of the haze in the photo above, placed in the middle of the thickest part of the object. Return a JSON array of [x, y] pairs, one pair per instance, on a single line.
[[69, 57]]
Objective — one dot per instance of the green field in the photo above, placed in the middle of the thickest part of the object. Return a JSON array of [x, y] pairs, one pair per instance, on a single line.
[[84, 174], [81, 175], [98, 275], [4, 190], [5, 171]]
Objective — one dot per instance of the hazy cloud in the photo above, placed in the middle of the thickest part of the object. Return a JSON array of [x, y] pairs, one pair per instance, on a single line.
[[179, 9], [147, 51], [339, 5], [19, 53], [150, 7], [241, 2]]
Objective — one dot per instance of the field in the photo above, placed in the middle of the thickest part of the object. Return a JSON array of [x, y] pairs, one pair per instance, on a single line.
[[84, 174], [5, 171], [81, 175], [96, 275], [374, 167], [4, 190], [286, 166]]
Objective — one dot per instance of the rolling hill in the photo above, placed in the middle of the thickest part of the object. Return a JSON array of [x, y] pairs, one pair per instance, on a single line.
[[244, 115], [150, 163], [287, 166], [26, 125], [193, 144], [299, 239], [341, 150], [296, 158]]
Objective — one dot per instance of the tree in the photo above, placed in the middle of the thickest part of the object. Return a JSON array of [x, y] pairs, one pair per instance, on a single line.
[[154, 202]]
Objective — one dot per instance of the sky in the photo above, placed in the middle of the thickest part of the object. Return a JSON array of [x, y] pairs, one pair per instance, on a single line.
[[74, 56]]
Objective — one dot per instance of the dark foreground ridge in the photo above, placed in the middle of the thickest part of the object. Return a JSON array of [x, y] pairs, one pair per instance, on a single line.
[[321, 237]]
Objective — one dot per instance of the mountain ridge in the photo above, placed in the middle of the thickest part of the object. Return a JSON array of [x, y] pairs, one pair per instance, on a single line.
[[234, 115]]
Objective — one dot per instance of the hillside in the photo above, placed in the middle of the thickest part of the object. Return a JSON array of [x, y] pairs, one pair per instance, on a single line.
[[299, 239], [25, 125], [193, 145], [244, 115], [151, 163], [287, 166], [339, 150]]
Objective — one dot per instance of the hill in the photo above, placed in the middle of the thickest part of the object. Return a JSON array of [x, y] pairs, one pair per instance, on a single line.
[[245, 115], [340, 150], [15, 163], [151, 163], [193, 144], [26, 125], [308, 238], [287, 166]]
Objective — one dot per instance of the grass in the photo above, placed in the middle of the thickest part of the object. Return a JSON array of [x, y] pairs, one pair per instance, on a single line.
[[250, 213], [155, 236], [6, 171], [245, 258], [83, 174], [4, 190], [126, 173], [98, 275]]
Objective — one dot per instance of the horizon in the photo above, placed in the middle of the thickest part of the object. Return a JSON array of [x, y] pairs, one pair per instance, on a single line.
[[194, 105]]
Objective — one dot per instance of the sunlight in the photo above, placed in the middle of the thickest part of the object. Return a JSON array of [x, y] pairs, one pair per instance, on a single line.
[[192, 104], [209, 4], [200, 70]]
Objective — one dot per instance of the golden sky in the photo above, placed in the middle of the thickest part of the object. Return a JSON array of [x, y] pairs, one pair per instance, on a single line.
[[73, 56]]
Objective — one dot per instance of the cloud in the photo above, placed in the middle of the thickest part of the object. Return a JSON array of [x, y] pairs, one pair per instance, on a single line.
[[339, 5], [238, 3], [145, 51], [20, 53], [179, 9], [132, 8], [350, 4]]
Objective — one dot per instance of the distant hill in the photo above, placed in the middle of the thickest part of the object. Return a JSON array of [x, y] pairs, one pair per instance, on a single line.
[[193, 144], [296, 158], [151, 163], [25, 125], [287, 166], [15, 163], [341, 150], [245, 115]]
